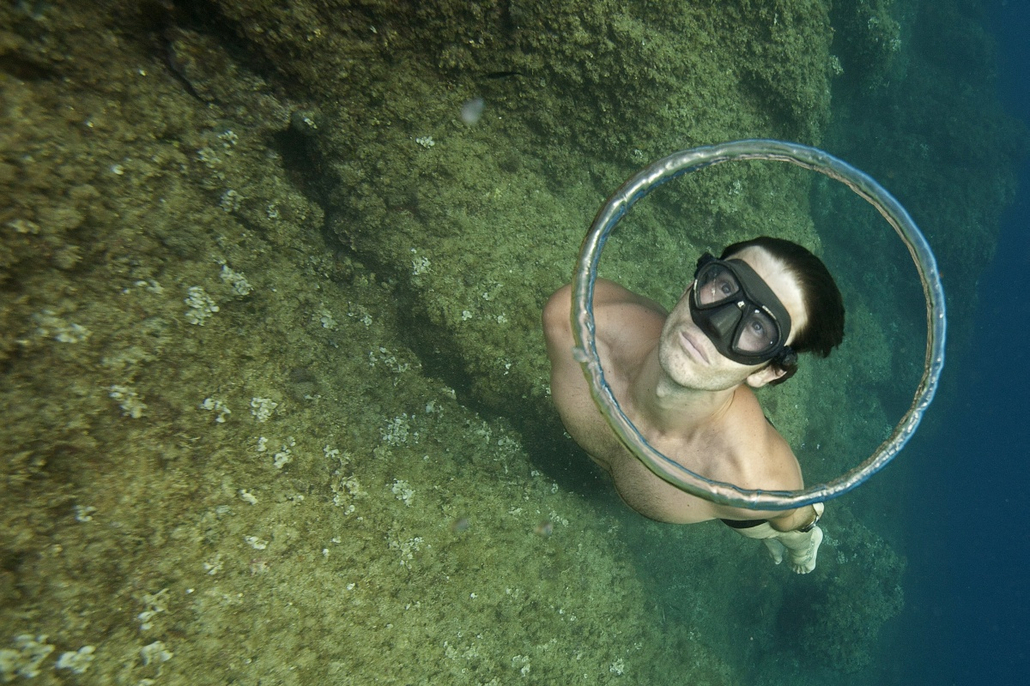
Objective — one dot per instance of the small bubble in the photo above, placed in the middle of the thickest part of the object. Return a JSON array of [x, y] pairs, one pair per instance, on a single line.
[[472, 110]]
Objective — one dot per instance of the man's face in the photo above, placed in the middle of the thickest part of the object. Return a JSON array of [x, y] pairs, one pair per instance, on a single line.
[[689, 357]]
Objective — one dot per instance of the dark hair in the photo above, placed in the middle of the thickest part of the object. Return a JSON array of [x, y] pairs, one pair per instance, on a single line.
[[824, 329]]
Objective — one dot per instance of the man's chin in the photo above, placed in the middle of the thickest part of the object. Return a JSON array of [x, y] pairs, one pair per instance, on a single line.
[[685, 372], [681, 369]]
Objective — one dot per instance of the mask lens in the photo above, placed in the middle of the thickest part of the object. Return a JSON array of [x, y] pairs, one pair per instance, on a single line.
[[715, 284], [758, 333]]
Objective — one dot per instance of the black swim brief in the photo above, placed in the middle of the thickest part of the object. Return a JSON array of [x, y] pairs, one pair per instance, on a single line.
[[743, 523]]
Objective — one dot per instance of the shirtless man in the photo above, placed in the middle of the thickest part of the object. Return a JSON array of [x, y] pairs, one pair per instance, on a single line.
[[685, 379]]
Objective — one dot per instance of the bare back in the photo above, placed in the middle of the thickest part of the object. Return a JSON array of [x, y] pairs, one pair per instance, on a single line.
[[737, 446]]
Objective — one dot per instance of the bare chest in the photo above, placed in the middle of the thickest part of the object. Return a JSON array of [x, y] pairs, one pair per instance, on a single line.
[[638, 487]]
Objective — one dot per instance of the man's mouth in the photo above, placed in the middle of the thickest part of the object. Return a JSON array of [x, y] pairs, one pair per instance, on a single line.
[[691, 345]]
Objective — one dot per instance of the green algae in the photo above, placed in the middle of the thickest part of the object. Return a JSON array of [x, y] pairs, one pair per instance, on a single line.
[[349, 472]]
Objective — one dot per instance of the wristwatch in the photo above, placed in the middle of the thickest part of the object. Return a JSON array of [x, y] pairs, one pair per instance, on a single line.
[[818, 507]]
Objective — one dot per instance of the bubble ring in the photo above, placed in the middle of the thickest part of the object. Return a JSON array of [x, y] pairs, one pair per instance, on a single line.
[[685, 162]]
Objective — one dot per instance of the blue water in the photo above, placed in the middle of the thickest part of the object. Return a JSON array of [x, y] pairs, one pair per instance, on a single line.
[[967, 617]]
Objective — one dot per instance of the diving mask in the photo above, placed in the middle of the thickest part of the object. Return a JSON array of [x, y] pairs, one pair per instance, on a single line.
[[738, 311]]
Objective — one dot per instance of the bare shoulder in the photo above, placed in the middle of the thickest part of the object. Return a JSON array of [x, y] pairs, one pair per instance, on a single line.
[[606, 294], [616, 311], [761, 458], [627, 327], [771, 464]]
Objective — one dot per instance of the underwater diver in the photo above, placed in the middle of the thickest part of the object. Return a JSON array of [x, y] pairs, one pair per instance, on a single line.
[[684, 379]]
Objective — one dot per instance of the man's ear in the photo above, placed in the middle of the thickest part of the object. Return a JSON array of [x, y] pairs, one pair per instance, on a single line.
[[764, 376]]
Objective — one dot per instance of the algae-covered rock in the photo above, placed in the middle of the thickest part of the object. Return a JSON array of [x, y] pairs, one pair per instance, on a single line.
[[478, 224], [221, 462]]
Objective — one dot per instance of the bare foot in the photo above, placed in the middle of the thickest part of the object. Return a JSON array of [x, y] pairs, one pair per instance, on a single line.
[[775, 548], [802, 561]]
